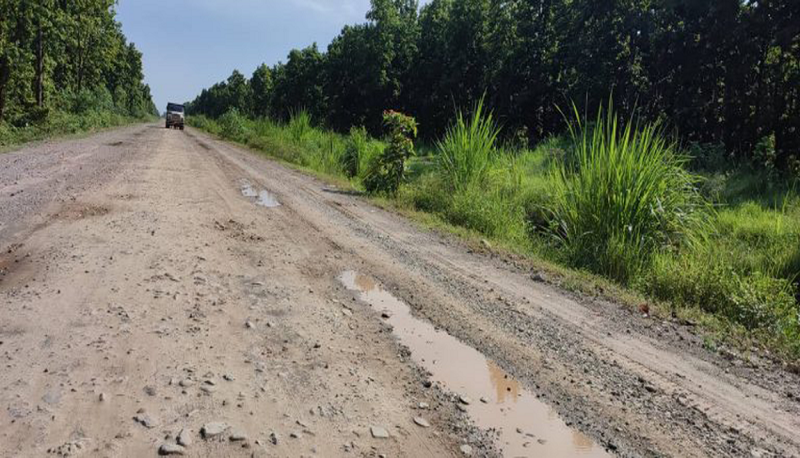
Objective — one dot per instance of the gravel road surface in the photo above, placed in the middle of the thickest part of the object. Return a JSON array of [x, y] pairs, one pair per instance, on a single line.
[[163, 292]]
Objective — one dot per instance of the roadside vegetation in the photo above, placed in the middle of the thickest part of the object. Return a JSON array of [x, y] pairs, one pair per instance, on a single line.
[[66, 67], [654, 178], [615, 199]]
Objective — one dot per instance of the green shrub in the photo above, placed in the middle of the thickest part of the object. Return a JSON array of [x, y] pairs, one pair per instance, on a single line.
[[764, 154], [300, 125], [324, 151], [204, 123], [358, 152], [704, 280], [385, 171], [467, 149], [232, 125], [620, 195]]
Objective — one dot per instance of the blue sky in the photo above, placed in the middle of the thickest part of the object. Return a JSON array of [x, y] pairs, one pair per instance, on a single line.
[[191, 44]]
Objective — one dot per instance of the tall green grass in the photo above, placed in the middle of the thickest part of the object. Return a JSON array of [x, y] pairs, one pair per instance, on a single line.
[[359, 152], [620, 195], [467, 149], [613, 198]]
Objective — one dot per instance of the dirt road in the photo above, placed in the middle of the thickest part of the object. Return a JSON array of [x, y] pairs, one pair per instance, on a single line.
[[160, 288]]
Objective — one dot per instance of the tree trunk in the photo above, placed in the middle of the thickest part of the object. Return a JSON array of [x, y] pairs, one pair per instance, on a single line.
[[5, 73], [40, 67]]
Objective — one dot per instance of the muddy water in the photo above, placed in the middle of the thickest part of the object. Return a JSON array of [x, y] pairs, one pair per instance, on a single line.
[[267, 199], [526, 427], [263, 197]]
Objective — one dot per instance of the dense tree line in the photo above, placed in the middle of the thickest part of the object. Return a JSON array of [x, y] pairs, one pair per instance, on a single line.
[[716, 71], [69, 55]]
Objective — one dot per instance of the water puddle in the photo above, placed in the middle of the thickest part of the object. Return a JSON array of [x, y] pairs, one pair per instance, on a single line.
[[527, 427], [263, 197], [267, 199]]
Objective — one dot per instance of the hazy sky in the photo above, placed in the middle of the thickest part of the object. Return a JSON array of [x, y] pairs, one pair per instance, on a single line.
[[190, 44]]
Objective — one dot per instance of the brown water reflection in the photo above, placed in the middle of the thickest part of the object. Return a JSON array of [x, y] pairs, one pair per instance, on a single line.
[[526, 427]]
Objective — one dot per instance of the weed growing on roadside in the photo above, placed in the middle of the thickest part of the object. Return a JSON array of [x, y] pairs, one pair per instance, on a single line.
[[467, 149], [621, 195], [386, 170]]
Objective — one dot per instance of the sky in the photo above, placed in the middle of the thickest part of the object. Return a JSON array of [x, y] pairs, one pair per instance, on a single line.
[[189, 45]]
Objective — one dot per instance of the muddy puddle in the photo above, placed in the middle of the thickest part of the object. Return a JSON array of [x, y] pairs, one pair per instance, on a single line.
[[526, 427], [262, 197]]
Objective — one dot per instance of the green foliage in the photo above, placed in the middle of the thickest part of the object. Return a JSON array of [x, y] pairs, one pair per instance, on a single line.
[[300, 125], [616, 197], [385, 171], [621, 195], [668, 61], [232, 125], [359, 152], [741, 266], [261, 85], [701, 279], [67, 64], [467, 149]]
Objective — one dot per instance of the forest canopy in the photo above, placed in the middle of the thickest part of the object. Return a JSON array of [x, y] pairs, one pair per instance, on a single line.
[[69, 57], [721, 72]]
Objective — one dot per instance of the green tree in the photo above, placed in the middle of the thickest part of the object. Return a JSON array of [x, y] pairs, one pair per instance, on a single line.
[[298, 84], [262, 86]]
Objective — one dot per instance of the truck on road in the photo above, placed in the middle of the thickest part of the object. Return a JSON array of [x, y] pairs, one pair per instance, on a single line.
[[175, 116]]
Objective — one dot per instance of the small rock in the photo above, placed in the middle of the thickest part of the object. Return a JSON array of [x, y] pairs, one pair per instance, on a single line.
[[146, 420], [274, 438], [250, 325], [186, 383], [213, 429], [102, 397], [422, 422], [484, 400], [208, 389], [386, 315], [228, 377], [379, 432], [424, 405], [466, 449], [171, 449], [185, 437], [237, 436], [294, 435], [538, 277], [465, 400], [150, 391]]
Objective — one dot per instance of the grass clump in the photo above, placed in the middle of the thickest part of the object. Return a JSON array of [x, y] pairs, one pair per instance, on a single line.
[[621, 195], [467, 149], [359, 152]]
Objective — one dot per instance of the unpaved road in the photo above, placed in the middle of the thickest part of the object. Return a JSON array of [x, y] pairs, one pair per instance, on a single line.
[[150, 285]]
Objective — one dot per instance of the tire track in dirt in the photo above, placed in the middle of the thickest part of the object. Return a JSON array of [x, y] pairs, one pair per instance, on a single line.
[[702, 404]]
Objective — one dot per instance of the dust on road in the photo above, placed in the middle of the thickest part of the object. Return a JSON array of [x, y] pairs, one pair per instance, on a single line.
[[162, 291]]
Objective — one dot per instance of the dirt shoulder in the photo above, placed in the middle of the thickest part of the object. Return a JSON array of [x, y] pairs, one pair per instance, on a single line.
[[144, 294]]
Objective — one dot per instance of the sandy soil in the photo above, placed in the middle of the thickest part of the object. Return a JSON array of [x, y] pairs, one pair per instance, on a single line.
[[157, 284]]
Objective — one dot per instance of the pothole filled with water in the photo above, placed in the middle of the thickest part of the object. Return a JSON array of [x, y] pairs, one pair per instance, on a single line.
[[494, 399], [262, 197]]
